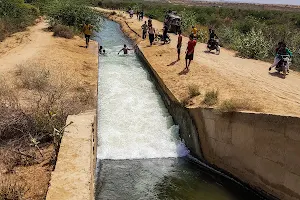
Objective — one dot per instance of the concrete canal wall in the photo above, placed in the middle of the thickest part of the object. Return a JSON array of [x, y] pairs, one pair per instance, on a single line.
[[259, 149], [74, 174]]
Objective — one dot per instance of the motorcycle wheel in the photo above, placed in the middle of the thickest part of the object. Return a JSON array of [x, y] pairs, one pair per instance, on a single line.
[[284, 70], [218, 50]]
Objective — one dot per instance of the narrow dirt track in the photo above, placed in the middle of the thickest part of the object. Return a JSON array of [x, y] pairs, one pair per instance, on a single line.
[[234, 77], [17, 51]]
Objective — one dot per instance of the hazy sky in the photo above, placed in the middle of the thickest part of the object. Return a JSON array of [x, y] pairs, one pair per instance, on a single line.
[[292, 2]]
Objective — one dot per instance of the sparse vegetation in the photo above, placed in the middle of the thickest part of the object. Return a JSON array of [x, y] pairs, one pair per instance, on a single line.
[[211, 98], [194, 91], [48, 97], [11, 189], [15, 15], [234, 105], [62, 31]]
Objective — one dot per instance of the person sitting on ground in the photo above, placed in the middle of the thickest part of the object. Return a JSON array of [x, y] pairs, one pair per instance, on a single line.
[[87, 30], [179, 44], [100, 50], [194, 31], [104, 53], [144, 28], [125, 49], [190, 52], [280, 51], [212, 36]]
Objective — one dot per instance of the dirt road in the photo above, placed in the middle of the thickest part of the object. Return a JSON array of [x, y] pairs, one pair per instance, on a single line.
[[234, 77]]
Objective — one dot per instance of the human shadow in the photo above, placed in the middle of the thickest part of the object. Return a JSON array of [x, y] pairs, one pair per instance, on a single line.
[[210, 52], [183, 72], [82, 46], [279, 75], [173, 63]]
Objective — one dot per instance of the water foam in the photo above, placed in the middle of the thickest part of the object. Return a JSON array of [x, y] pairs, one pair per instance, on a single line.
[[133, 122]]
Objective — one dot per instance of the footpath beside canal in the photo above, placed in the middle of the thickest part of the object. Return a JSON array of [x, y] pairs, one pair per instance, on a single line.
[[259, 149]]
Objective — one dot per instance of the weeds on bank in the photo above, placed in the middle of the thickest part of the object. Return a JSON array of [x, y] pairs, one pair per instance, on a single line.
[[49, 98], [11, 189], [211, 98], [62, 31], [234, 105], [194, 91]]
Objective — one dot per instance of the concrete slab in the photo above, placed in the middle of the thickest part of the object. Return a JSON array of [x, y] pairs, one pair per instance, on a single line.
[[72, 178]]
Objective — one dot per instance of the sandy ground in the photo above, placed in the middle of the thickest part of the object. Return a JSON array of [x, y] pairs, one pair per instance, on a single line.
[[36, 46], [232, 76]]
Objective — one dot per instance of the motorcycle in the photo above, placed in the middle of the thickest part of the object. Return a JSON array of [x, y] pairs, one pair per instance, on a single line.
[[214, 45], [282, 65], [160, 37]]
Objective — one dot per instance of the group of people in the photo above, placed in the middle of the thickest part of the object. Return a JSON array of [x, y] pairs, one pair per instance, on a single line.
[[148, 28]]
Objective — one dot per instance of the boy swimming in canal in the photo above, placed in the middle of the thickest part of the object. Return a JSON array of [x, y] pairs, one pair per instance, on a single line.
[[125, 50]]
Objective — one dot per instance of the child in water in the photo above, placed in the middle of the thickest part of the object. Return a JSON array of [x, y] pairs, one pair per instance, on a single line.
[[125, 50]]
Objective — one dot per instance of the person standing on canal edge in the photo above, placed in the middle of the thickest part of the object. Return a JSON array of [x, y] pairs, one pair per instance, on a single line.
[[190, 52], [144, 28], [87, 30], [141, 15], [151, 34], [179, 44]]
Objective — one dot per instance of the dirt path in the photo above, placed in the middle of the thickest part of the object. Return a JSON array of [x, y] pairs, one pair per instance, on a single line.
[[22, 46], [234, 77], [67, 62]]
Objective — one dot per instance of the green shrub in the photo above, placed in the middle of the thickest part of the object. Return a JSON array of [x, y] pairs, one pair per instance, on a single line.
[[188, 19], [73, 15], [211, 98], [253, 45], [15, 16], [62, 31]]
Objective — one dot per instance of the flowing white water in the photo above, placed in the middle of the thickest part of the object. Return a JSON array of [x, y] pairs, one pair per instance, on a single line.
[[133, 122]]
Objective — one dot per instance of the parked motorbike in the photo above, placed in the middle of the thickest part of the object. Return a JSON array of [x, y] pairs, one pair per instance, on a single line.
[[214, 45], [282, 65]]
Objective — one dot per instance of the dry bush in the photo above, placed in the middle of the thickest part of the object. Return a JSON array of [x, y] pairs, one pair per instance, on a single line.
[[14, 123], [211, 98], [54, 97], [193, 91], [8, 95], [11, 189], [233, 105], [63, 31], [32, 77]]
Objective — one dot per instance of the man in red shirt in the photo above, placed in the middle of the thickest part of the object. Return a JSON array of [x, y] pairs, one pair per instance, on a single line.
[[190, 52]]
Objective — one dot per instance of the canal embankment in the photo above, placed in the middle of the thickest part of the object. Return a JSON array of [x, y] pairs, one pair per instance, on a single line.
[[74, 174], [259, 149]]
